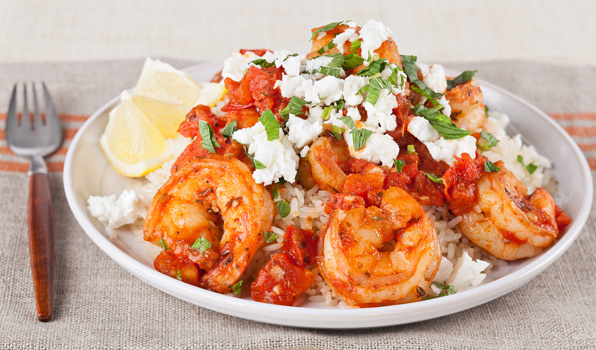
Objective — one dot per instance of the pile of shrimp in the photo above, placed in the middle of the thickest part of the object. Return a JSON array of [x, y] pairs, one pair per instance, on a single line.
[[378, 246]]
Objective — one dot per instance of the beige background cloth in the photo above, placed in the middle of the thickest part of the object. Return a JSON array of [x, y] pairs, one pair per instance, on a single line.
[[550, 31], [98, 305]]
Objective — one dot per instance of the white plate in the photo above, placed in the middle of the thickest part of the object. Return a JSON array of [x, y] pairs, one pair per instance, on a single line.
[[86, 172]]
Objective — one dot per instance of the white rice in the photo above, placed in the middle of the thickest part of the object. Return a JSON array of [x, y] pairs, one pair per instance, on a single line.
[[463, 265]]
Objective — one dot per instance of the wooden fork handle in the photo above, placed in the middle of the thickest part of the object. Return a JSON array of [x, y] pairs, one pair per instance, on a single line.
[[41, 243]]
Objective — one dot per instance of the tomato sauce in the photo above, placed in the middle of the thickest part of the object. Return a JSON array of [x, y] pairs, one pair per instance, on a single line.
[[461, 182]]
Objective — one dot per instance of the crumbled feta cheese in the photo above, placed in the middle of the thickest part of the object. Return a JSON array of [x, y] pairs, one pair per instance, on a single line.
[[353, 84], [291, 62], [439, 148], [435, 79], [467, 273], [380, 116], [293, 86], [348, 35], [373, 34], [446, 107], [421, 129], [446, 150], [117, 211], [379, 148], [304, 151], [302, 131], [278, 156], [316, 63], [328, 90], [236, 64]]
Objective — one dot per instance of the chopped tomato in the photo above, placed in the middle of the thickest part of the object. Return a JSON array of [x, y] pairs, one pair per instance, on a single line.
[[562, 218], [190, 126], [461, 182], [367, 186], [280, 281], [300, 245], [256, 88], [258, 52], [177, 267]]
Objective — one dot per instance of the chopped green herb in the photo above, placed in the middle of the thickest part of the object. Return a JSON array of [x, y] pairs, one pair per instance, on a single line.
[[270, 237], [337, 61], [179, 275], [428, 96], [334, 72], [490, 167], [255, 163], [326, 48], [326, 28], [337, 132], [461, 79], [441, 123], [359, 138], [283, 208], [531, 168], [326, 113], [355, 45], [348, 121], [201, 244], [162, 244], [237, 288], [352, 61], [399, 164], [411, 70], [230, 129], [271, 125], [339, 105], [294, 107], [374, 68], [410, 149], [487, 141], [434, 179], [209, 142], [486, 112], [446, 289], [291, 55], [261, 62]]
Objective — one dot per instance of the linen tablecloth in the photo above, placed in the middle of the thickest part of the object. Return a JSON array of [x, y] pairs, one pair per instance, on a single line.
[[97, 304]]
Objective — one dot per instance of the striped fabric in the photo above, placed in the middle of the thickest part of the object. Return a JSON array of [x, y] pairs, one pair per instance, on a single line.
[[581, 126]]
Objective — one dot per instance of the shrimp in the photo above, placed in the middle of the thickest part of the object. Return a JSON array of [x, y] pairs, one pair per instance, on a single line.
[[467, 107], [190, 206], [323, 165], [382, 255], [505, 221], [387, 50]]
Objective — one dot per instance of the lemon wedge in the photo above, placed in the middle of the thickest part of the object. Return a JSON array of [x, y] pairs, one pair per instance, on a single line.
[[163, 82], [133, 145], [211, 93], [165, 116]]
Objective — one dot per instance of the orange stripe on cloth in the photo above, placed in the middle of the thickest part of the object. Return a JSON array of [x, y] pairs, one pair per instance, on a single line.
[[587, 146], [592, 163], [63, 117], [19, 167], [573, 116], [60, 152], [67, 133], [581, 131]]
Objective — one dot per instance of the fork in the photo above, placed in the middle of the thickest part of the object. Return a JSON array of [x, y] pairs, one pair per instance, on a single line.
[[35, 136]]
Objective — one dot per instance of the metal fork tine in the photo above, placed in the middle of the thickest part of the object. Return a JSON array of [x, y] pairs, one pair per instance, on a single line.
[[11, 116], [36, 115], [26, 118], [50, 108]]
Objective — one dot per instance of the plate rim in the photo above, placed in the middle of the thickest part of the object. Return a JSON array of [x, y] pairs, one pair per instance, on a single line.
[[326, 318]]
